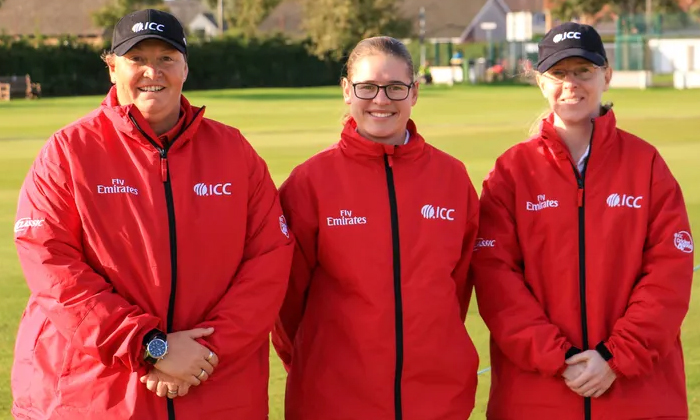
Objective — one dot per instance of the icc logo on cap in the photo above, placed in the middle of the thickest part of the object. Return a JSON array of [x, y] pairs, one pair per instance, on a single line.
[[153, 26], [566, 35]]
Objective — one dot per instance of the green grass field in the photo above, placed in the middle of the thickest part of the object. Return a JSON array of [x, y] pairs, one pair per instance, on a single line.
[[286, 126]]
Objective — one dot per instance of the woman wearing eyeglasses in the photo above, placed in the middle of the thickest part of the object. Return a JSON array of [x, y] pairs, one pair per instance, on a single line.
[[585, 277], [372, 326]]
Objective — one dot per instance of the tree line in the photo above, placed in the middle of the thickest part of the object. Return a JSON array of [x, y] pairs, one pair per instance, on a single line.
[[334, 26]]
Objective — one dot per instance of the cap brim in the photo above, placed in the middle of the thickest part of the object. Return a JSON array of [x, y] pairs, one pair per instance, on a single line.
[[125, 46], [553, 59]]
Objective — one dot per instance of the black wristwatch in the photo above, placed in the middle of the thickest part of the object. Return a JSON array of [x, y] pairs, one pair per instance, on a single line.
[[155, 345]]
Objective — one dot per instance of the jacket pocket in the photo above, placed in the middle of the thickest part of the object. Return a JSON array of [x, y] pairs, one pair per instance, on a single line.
[[75, 388], [31, 328]]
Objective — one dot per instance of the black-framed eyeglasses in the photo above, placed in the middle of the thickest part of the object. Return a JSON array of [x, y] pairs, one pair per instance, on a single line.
[[393, 91]]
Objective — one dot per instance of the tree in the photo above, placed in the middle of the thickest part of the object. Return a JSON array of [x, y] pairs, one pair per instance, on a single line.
[[334, 26], [108, 16], [577, 9], [244, 15], [585, 10], [694, 9]]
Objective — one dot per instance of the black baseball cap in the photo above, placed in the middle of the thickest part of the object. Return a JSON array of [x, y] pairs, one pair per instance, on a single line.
[[146, 24], [570, 39]]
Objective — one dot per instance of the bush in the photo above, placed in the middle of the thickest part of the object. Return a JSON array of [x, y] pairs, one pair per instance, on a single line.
[[73, 68]]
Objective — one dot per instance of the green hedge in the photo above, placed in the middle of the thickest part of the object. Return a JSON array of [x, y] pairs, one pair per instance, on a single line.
[[69, 68], [271, 62], [73, 68]]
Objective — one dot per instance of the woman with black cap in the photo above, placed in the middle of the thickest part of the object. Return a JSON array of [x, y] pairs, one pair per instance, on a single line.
[[154, 246], [586, 278]]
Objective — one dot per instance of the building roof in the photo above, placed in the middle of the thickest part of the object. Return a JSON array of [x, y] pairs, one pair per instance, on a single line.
[[285, 18], [186, 10], [534, 6], [51, 18], [444, 18]]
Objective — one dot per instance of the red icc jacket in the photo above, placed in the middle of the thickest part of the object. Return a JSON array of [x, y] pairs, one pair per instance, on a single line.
[[116, 238], [565, 260], [372, 326]]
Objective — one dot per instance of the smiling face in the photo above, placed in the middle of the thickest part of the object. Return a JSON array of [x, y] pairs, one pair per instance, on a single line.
[[150, 76], [574, 88], [381, 119]]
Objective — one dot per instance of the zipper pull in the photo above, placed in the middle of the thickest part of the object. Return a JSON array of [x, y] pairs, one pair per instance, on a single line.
[[580, 197], [580, 193], [163, 166], [390, 159]]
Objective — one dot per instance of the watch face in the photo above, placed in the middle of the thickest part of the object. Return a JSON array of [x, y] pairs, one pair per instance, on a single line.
[[157, 348]]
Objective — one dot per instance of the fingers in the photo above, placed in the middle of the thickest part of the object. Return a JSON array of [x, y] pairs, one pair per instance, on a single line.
[[212, 358], [203, 375], [589, 389], [200, 332], [569, 374], [162, 389], [192, 381], [573, 371], [202, 371], [605, 385], [205, 366], [156, 383], [151, 382], [579, 382], [586, 390], [579, 358], [183, 390], [594, 386], [173, 392]]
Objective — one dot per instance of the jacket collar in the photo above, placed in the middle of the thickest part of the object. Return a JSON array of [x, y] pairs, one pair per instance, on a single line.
[[354, 145], [604, 128], [121, 117]]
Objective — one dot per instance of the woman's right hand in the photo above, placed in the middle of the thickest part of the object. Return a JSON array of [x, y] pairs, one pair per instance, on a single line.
[[186, 359]]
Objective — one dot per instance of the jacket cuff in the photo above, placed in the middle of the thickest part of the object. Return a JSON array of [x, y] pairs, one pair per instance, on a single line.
[[607, 355], [615, 368], [573, 351], [569, 353], [604, 352]]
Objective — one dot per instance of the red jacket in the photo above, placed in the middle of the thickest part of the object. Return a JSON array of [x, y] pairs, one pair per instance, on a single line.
[[102, 218], [373, 320], [607, 257]]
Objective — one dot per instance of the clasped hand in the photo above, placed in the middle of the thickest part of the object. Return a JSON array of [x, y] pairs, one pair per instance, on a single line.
[[588, 374], [187, 364]]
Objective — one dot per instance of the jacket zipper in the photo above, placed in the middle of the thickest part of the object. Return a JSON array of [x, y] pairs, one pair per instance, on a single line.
[[582, 264], [398, 302], [165, 177]]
